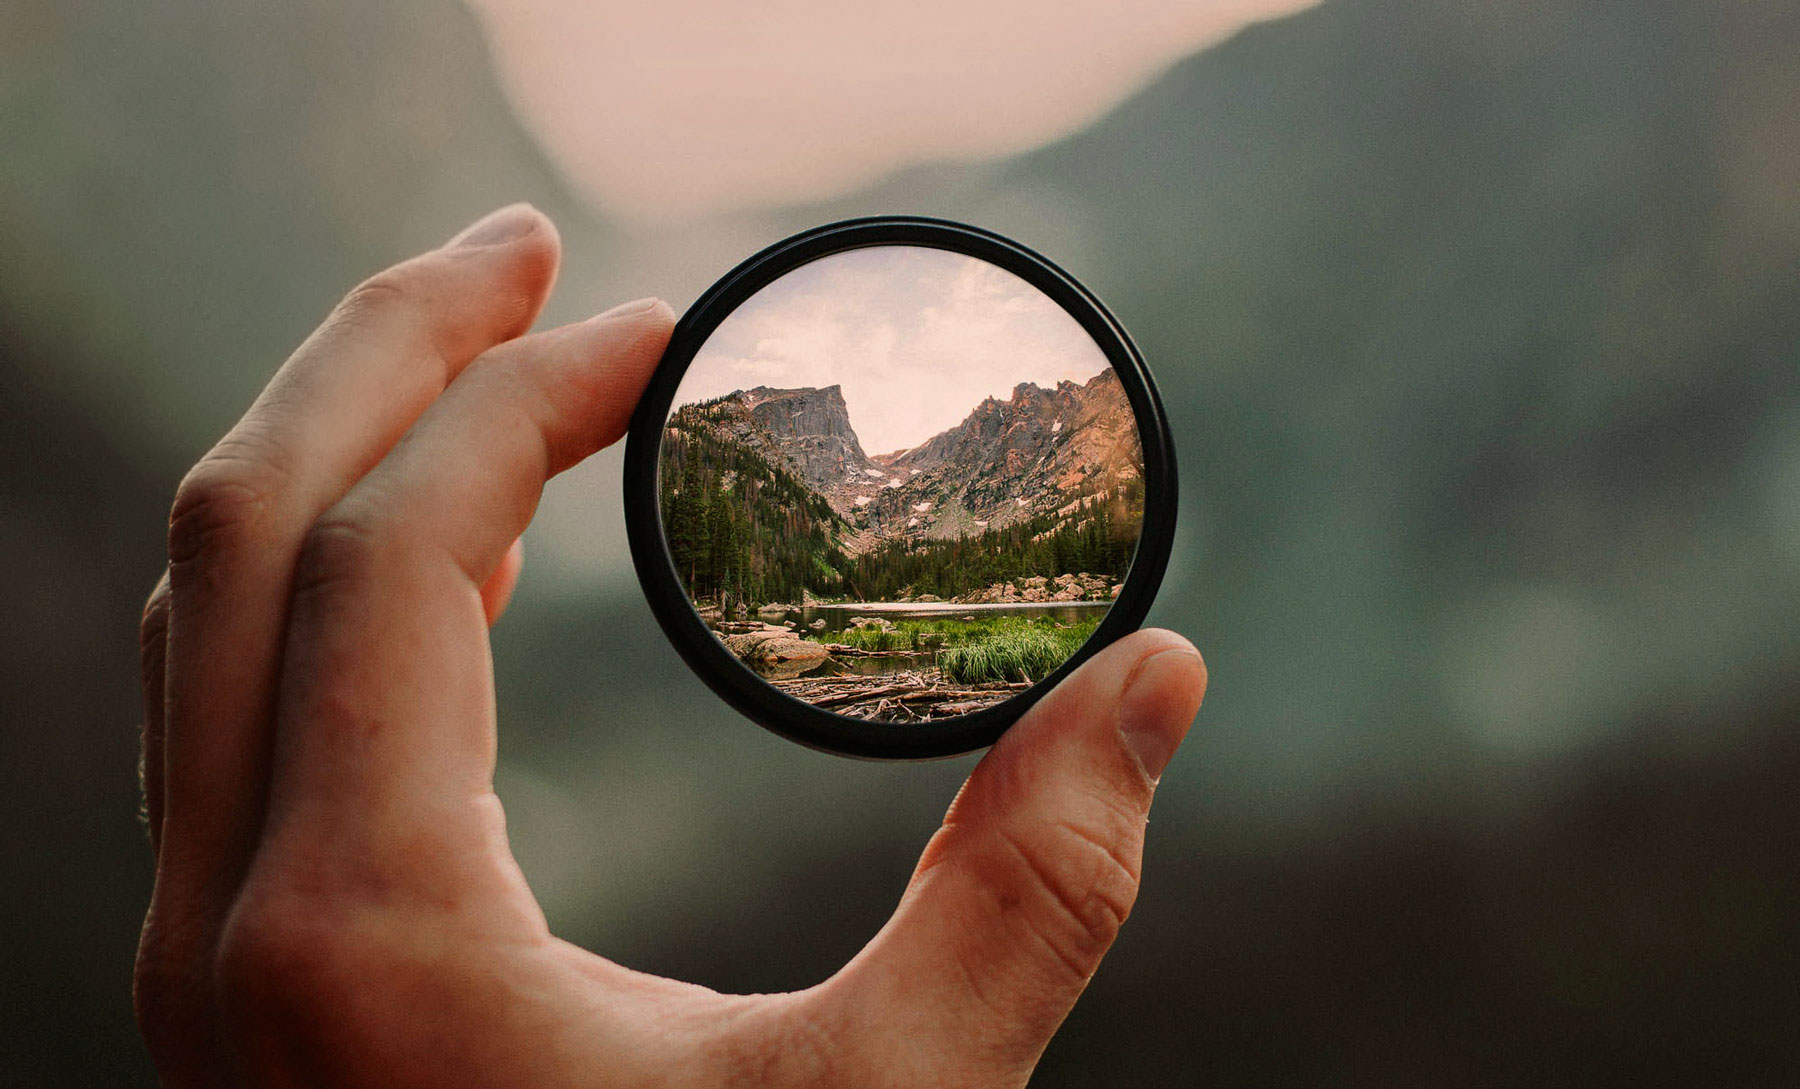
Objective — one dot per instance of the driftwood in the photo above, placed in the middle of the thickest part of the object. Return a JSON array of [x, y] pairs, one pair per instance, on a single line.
[[907, 696]]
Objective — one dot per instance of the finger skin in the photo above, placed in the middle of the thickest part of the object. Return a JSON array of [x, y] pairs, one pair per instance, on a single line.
[[332, 410], [497, 591], [387, 714], [1025, 886]]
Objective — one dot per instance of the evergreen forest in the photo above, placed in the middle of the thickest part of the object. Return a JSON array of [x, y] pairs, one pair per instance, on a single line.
[[1099, 541], [741, 529]]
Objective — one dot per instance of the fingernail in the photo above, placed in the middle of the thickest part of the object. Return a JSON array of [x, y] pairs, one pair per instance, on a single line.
[[1155, 712], [625, 309], [509, 224]]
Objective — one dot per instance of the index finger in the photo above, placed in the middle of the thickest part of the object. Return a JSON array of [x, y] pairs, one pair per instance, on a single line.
[[386, 714], [331, 411]]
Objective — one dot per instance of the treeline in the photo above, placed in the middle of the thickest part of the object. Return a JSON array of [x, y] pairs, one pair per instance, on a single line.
[[1098, 539], [744, 530], [741, 529]]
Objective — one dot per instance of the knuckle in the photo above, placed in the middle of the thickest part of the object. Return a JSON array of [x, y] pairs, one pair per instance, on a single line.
[[1080, 889], [388, 291], [266, 976], [338, 552], [221, 503], [281, 961]]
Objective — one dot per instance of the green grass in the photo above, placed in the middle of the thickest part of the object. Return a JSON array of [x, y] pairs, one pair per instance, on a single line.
[[1028, 653], [871, 639], [939, 633], [988, 648]]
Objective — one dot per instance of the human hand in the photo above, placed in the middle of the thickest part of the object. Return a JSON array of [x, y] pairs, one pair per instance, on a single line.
[[335, 900]]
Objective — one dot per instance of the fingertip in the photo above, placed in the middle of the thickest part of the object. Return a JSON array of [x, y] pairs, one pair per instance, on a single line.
[[664, 313], [1158, 702], [522, 237], [1150, 641], [1155, 641], [504, 227], [649, 315], [482, 288]]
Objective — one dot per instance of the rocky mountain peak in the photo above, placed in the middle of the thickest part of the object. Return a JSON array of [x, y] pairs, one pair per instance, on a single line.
[[810, 427]]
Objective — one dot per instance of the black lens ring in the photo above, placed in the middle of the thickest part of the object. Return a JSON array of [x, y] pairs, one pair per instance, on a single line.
[[737, 684]]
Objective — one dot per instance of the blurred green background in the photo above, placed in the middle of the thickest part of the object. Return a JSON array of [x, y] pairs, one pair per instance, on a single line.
[[1479, 329]]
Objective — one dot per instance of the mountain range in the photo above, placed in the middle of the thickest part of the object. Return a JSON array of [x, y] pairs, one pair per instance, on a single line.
[[1039, 453]]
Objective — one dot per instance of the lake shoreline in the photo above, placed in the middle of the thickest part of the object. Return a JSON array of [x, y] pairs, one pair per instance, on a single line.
[[908, 696], [946, 608]]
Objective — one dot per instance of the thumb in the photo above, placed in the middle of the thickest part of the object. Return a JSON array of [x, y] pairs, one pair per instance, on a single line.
[[1025, 887]]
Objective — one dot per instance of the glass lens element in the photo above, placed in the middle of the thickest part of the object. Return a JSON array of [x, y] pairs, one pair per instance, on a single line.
[[901, 483]]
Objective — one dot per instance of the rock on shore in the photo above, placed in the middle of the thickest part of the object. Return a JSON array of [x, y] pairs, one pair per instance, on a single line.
[[1081, 587], [770, 643]]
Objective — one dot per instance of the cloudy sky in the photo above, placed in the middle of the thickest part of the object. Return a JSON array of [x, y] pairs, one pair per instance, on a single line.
[[915, 336], [671, 111]]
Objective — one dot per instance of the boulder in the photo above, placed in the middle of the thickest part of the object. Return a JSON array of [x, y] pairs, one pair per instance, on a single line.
[[1118, 588], [774, 608], [1035, 582], [1036, 593], [1067, 593], [774, 645], [818, 625], [795, 650], [1065, 580]]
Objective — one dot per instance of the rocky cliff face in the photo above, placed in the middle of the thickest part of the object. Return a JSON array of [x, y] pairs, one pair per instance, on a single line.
[[806, 429], [1041, 451], [1037, 452], [811, 428]]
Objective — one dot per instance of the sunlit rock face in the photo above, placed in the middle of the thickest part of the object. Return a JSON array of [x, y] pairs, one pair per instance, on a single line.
[[1034, 453]]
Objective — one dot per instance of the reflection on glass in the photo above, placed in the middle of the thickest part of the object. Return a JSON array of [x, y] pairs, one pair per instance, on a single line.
[[901, 483]]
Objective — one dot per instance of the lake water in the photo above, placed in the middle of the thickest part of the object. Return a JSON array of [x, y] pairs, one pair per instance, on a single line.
[[838, 617]]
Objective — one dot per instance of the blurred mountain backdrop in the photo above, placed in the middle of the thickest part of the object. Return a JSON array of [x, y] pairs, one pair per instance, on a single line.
[[1479, 333]]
